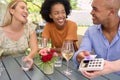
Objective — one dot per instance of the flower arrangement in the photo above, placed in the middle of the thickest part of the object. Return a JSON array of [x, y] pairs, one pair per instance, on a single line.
[[47, 57]]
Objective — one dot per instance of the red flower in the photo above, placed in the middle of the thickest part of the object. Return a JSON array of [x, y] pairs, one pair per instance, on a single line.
[[52, 50], [47, 58]]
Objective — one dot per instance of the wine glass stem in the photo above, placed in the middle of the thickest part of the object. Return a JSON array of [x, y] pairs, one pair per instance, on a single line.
[[67, 65]]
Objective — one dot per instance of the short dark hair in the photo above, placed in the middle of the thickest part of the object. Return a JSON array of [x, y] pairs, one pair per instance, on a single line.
[[46, 8]]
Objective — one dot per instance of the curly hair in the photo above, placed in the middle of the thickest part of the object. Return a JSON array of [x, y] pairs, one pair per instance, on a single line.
[[46, 8]]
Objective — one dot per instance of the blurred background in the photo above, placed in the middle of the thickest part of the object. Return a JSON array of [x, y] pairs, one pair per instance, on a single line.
[[80, 9]]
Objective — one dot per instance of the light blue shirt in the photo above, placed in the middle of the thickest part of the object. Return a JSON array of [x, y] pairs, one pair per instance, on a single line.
[[94, 39]]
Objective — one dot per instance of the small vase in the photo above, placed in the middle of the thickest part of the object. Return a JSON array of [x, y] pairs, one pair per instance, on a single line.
[[48, 68]]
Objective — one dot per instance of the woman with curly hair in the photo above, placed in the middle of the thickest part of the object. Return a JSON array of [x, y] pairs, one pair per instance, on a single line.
[[58, 28]]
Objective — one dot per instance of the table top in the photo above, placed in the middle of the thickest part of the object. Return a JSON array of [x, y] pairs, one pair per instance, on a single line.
[[12, 71]]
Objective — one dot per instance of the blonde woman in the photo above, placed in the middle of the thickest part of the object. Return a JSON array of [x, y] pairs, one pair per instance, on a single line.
[[15, 35]]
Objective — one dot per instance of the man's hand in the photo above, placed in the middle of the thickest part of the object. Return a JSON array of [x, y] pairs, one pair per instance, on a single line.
[[92, 74], [82, 55]]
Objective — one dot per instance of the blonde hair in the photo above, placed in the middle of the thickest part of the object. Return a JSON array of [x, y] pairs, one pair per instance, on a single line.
[[8, 17]]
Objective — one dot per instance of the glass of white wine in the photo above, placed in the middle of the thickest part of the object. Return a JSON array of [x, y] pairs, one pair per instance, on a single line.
[[67, 52]]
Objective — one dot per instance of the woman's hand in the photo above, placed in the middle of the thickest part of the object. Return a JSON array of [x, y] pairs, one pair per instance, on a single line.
[[30, 60]]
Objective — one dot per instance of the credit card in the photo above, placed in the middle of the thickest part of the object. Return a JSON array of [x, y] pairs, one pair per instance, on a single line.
[[90, 57]]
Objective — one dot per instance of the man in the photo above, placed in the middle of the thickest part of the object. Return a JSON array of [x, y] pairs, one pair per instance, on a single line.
[[103, 37]]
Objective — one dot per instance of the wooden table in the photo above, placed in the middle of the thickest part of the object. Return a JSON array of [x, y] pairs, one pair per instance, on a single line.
[[13, 71]]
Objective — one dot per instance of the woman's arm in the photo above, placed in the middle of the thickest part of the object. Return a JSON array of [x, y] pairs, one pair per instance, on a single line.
[[33, 45]]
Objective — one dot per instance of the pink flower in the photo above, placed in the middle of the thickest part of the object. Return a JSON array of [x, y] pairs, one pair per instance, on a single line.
[[43, 52], [55, 54]]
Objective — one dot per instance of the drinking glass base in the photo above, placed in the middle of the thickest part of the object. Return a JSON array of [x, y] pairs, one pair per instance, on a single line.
[[67, 72]]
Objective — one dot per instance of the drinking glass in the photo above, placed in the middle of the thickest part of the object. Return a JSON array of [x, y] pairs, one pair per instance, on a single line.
[[67, 52], [42, 43], [26, 64], [58, 62]]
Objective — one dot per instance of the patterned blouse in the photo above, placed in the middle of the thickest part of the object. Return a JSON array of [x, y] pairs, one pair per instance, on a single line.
[[11, 47]]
